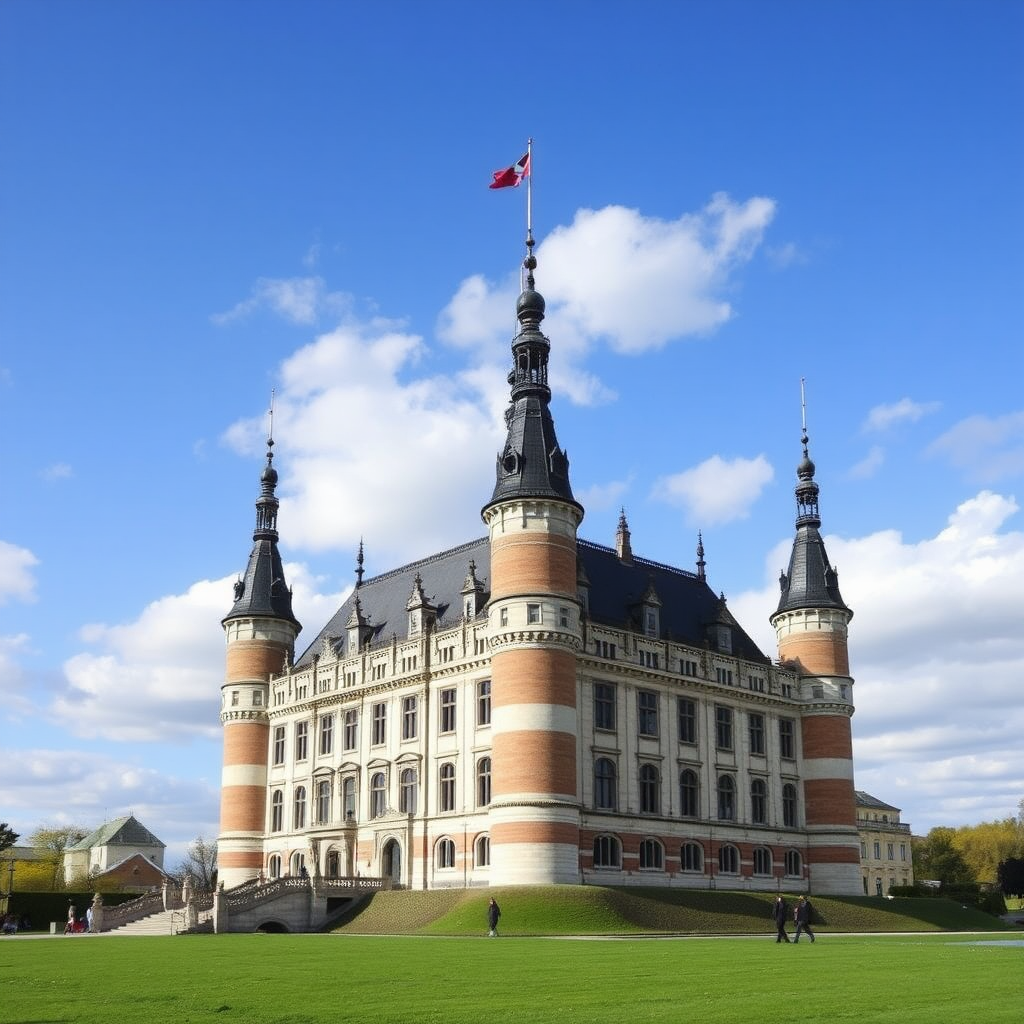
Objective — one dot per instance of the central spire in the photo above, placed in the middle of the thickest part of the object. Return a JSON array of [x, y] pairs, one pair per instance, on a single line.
[[531, 465]]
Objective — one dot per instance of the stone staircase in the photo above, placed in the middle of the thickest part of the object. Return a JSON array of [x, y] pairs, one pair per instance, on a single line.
[[164, 922]]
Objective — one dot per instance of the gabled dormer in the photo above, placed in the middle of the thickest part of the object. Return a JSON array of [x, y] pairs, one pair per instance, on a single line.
[[720, 630], [422, 614], [358, 628], [650, 611], [473, 596]]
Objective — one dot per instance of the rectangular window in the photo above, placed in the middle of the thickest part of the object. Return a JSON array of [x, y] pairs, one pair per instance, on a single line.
[[604, 706], [234, 698], [503, 617], [878, 850], [647, 713], [278, 744], [724, 676], [327, 734], [447, 723], [533, 614], [756, 729], [787, 738], [687, 720], [257, 698], [651, 623], [723, 728], [409, 712], [891, 851], [483, 702], [903, 851], [351, 729], [687, 667], [301, 741], [563, 617], [379, 723]]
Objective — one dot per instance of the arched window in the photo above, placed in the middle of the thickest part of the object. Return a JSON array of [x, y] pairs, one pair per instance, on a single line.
[[759, 802], [447, 795], [323, 801], [299, 808], [483, 851], [794, 864], [277, 811], [729, 860], [407, 791], [689, 794], [604, 784], [607, 852], [274, 866], [650, 790], [445, 857], [762, 861], [483, 782], [378, 794], [333, 864], [348, 798], [726, 798], [298, 864], [651, 856], [789, 814], [691, 857]]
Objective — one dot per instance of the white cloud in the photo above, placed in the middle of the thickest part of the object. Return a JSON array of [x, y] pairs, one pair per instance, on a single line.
[[301, 300], [986, 448], [884, 417], [58, 471], [717, 491], [869, 465], [17, 581], [170, 660], [937, 652]]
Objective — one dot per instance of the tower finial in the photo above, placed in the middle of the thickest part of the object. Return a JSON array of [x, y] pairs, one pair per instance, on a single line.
[[359, 565], [701, 566]]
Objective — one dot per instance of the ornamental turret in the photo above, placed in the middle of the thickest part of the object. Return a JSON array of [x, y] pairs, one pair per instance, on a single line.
[[533, 626], [810, 625], [260, 631]]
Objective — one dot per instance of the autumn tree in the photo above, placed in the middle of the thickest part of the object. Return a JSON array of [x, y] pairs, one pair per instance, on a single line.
[[986, 845], [937, 858], [54, 840]]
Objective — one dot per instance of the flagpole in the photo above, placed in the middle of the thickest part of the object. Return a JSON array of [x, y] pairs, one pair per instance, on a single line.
[[529, 190]]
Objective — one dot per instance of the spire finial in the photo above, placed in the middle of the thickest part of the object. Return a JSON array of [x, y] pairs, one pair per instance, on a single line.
[[701, 565], [359, 565]]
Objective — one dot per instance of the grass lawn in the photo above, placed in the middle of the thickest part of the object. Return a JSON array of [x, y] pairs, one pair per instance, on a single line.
[[293, 979]]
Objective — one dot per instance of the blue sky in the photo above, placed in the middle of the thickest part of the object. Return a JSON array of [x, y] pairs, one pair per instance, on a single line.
[[200, 202]]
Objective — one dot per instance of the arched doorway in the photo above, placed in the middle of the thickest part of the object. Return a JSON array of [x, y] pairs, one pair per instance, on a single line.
[[391, 861]]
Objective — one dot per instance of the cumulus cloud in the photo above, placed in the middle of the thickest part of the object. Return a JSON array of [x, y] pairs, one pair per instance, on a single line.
[[717, 491], [985, 448], [937, 653], [869, 465], [61, 787], [884, 417], [170, 659], [17, 581]]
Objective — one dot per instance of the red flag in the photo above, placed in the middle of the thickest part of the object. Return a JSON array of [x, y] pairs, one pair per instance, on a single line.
[[511, 176]]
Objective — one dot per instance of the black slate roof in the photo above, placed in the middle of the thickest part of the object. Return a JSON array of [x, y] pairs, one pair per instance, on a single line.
[[810, 582], [688, 605]]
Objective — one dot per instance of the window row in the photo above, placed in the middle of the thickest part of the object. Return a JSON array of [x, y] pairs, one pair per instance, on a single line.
[[321, 811], [348, 724], [606, 794], [648, 712], [651, 857]]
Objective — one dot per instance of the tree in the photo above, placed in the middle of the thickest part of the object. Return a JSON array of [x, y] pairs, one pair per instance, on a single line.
[[55, 839], [8, 837], [200, 864], [936, 858], [1011, 877], [986, 845]]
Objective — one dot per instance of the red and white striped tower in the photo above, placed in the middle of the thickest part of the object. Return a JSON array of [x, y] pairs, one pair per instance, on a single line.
[[260, 630], [811, 629], [534, 627]]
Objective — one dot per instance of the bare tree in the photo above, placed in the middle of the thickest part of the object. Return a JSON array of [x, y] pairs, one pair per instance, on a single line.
[[200, 864]]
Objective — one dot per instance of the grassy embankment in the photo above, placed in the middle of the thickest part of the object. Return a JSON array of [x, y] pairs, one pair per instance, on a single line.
[[593, 910]]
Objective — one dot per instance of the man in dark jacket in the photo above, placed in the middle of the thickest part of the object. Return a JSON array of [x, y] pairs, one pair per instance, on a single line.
[[802, 916], [493, 913], [779, 914]]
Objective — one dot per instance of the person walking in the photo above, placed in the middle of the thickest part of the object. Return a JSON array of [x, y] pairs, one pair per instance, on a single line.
[[802, 916], [493, 913], [780, 914]]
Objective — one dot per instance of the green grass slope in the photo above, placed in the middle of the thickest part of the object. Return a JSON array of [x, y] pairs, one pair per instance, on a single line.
[[595, 910]]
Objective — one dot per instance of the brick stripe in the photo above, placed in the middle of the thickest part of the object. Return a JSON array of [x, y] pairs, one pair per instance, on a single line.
[[533, 563], [545, 832], [242, 809], [829, 802], [245, 743], [249, 660], [827, 736], [239, 859], [533, 675], [819, 653]]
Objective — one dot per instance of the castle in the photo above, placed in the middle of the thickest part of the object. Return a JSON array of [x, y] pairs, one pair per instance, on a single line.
[[534, 708]]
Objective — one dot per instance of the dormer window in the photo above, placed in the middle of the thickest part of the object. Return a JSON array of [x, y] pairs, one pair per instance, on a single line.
[[724, 639], [651, 622]]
